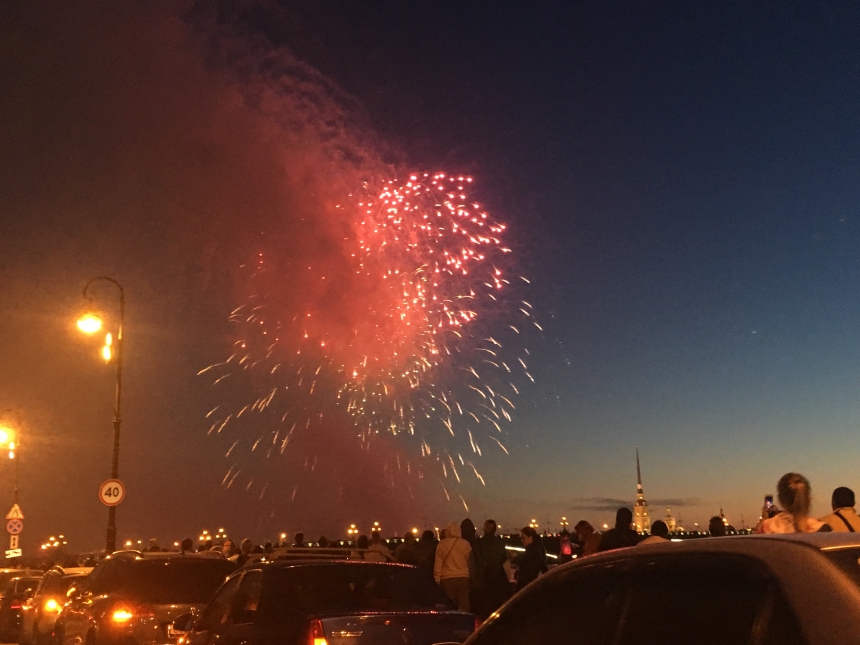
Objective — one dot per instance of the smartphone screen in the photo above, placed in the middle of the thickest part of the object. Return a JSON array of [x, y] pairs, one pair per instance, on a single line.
[[768, 501]]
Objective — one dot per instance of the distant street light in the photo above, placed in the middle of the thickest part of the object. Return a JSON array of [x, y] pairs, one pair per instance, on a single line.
[[90, 323]]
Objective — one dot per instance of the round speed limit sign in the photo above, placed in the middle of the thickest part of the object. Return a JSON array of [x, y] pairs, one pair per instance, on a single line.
[[111, 492]]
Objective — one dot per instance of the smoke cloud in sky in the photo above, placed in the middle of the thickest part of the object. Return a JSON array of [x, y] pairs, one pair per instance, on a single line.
[[165, 145]]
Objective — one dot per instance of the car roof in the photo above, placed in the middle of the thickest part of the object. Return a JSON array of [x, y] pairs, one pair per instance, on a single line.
[[163, 555], [71, 571], [736, 544], [292, 564], [823, 541]]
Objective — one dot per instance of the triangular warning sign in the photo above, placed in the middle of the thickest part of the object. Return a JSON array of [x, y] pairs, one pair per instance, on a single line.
[[15, 513]]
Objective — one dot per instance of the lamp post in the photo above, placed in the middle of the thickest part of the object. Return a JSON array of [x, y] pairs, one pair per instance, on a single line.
[[89, 324]]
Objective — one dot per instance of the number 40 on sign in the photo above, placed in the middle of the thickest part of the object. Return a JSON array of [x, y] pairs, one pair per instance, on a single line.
[[111, 492]]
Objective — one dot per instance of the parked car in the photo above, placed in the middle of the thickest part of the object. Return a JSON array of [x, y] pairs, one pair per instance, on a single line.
[[40, 612], [757, 590], [327, 602], [131, 598], [16, 591]]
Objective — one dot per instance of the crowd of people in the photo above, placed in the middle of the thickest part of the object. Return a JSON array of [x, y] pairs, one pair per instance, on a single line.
[[478, 573], [474, 572]]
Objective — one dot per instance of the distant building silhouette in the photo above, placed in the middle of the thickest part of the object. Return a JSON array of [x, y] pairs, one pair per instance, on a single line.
[[641, 519], [670, 521]]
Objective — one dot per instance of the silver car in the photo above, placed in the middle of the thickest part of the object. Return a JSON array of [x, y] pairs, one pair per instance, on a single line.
[[40, 612], [131, 598], [749, 590]]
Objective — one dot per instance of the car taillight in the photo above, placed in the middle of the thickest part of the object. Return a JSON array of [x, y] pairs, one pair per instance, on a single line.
[[52, 605], [316, 635], [16, 604], [122, 614]]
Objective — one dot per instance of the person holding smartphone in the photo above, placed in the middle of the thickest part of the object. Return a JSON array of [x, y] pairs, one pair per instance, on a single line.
[[795, 496]]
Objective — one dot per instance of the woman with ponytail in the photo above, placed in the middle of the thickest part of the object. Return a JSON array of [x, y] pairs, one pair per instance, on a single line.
[[795, 497]]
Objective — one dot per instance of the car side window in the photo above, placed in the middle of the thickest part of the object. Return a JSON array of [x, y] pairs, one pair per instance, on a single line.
[[218, 610], [581, 607], [245, 602], [719, 598]]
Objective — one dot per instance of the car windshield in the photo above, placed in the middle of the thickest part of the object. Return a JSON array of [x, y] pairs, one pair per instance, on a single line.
[[58, 585], [332, 588], [848, 560], [169, 581]]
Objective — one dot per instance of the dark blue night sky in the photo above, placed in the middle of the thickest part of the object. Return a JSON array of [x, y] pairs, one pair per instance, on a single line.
[[682, 181], [686, 178]]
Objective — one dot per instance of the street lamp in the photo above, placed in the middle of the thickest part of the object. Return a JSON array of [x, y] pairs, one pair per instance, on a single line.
[[90, 323], [564, 524]]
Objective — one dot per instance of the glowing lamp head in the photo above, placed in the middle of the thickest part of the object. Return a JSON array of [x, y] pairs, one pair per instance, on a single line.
[[89, 323], [4, 435]]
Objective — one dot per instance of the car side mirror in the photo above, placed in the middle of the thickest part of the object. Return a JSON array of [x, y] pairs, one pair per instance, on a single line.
[[183, 624]]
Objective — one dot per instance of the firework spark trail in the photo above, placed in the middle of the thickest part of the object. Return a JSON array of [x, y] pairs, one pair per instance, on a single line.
[[398, 332]]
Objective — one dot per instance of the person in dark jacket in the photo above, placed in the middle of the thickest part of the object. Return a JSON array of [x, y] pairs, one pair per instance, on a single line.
[[424, 552], [622, 535], [493, 554], [532, 562], [476, 592]]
